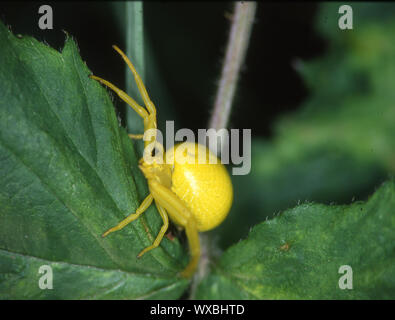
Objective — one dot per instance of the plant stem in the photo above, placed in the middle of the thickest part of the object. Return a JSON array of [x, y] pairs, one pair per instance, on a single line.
[[135, 51], [241, 25], [239, 36]]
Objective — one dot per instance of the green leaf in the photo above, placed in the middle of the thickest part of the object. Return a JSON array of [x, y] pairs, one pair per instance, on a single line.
[[68, 172], [297, 255], [278, 182]]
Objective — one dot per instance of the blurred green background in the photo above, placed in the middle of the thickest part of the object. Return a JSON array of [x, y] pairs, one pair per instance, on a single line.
[[319, 100]]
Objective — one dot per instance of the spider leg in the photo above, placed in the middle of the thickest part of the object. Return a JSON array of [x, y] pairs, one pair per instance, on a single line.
[[123, 95], [161, 233], [143, 91], [143, 206], [150, 116], [194, 248], [181, 215]]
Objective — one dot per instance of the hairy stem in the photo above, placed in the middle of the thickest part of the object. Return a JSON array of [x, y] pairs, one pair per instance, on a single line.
[[241, 25]]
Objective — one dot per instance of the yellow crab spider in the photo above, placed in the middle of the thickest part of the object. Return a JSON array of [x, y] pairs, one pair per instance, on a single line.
[[197, 195]]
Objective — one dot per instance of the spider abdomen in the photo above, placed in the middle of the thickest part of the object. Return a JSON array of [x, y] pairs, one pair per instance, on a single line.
[[205, 187]]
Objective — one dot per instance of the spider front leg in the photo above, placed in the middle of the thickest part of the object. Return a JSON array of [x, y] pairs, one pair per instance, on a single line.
[[148, 117], [181, 215], [124, 96]]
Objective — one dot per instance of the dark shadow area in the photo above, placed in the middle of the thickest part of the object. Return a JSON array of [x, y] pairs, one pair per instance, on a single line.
[[188, 42]]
